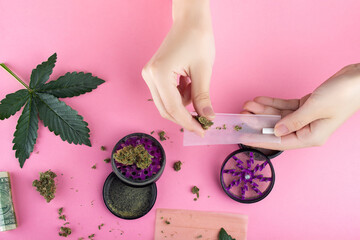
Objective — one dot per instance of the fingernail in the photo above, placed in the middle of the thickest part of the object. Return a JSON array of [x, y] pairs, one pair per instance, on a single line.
[[208, 111], [281, 130]]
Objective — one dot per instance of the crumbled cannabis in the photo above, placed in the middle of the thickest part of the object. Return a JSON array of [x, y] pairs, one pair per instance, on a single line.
[[81, 238], [205, 123], [107, 160], [218, 128], [152, 132], [103, 148], [195, 190], [63, 217], [91, 236], [177, 166], [199, 236], [167, 222], [60, 210], [150, 100], [64, 231], [130, 155], [46, 185], [224, 127], [100, 226], [195, 199], [66, 223], [181, 130], [162, 135], [237, 128], [223, 235], [94, 166]]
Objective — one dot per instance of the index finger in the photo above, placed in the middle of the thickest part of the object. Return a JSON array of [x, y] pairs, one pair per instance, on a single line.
[[172, 100]]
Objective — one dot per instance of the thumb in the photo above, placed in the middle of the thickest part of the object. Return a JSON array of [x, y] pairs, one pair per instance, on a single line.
[[297, 120], [200, 84]]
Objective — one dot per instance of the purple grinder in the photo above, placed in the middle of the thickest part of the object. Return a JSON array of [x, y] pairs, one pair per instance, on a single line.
[[247, 176], [268, 152], [133, 175]]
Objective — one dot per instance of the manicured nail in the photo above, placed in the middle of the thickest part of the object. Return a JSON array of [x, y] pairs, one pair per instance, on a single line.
[[208, 111], [281, 130]]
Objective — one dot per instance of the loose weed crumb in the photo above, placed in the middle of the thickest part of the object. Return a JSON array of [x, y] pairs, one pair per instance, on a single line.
[[94, 166], [107, 160], [162, 135], [100, 226], [195, 190], [103, 148], [177, 166], [64, 231], [237, 128]]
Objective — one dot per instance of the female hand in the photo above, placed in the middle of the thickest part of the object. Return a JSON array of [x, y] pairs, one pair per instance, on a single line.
[[187, 51], [311, 120]]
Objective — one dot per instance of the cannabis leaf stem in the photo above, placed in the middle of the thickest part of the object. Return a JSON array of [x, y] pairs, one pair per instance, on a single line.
[[15, 76]]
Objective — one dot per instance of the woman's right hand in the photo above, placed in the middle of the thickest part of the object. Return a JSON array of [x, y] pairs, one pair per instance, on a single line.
[[311, 120]]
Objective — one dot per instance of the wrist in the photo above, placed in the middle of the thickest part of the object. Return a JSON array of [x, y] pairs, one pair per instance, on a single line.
[[192, 13]]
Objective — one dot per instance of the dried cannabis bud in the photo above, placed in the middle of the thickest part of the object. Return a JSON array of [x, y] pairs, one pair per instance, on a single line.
[[167, 222], [162, 135], [91, 236], [237, 128], [177, 166], [195, 190], [46, 185], [107, 160], [94, 166], [181, 130], [103, 148], [64, 231], [130, 155], [205, 123]]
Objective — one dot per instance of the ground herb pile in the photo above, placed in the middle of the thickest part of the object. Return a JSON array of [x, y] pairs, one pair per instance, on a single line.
[[41, 100], [205, 123], [46, 185], [130, 155]]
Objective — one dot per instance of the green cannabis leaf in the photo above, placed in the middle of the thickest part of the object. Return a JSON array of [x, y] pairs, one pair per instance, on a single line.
[[224, 236], [12, 103], [71, 85], [41, 100]]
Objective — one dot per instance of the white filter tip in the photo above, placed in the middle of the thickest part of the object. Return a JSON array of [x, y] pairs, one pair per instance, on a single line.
[[268, 131]]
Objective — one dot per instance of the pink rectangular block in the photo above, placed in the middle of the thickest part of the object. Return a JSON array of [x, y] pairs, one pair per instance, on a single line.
[[188, 224]]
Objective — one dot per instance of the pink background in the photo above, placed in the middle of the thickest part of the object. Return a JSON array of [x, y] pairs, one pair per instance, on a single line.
[[279, 48]]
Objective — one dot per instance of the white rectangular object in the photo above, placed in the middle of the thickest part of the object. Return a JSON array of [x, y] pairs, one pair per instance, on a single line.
[[249, 130]]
